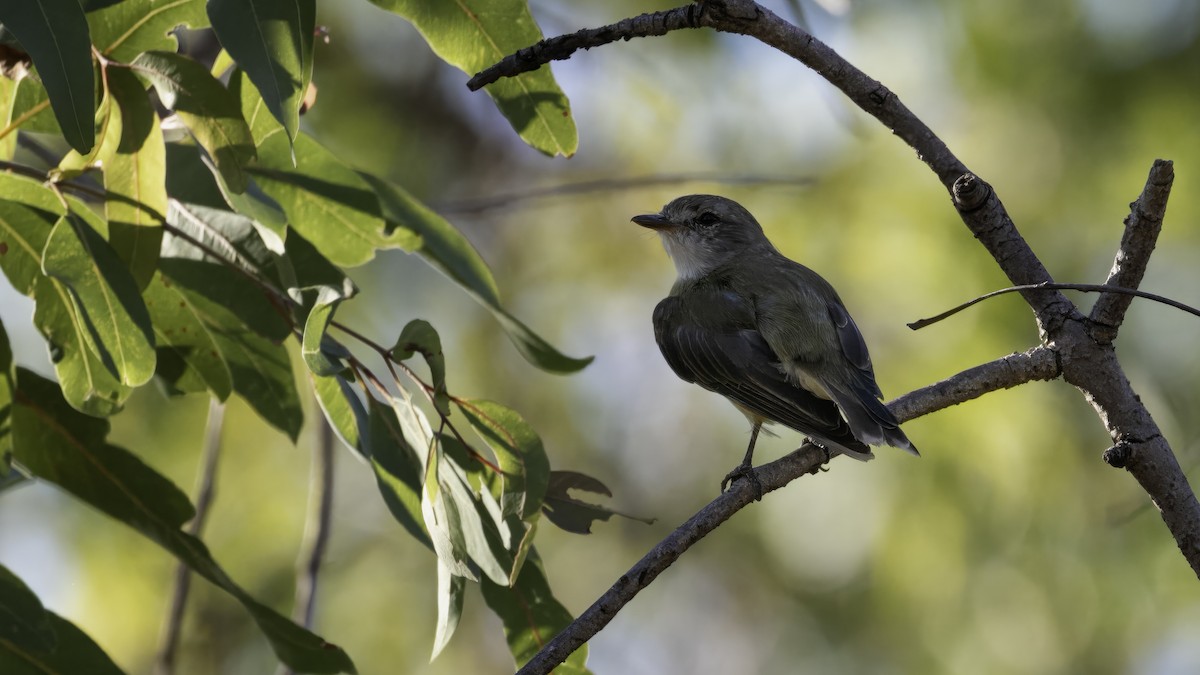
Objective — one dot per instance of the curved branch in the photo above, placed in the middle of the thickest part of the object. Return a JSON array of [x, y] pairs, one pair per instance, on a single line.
[[1039, 363]]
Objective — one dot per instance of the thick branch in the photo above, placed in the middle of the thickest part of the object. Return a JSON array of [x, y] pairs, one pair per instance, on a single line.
[[1137, 243], [1036, 364]]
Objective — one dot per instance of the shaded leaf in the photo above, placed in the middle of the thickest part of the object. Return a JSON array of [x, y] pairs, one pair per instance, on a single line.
[[483, 541], [450, 596], [69, 450], [136, 174], [76, 653], [25, 622], [272, 41], [122, 30], [207, 108], [231, 236], [188, 356], [29, 109], [449, 252], [6, 399], [219, 291], [344, 410], [419, 335], [316, 347], [107, 138], [55, 34], [532, 616], [519, 452], [106, 299], [474, 34], [572, 514], [23, 232]]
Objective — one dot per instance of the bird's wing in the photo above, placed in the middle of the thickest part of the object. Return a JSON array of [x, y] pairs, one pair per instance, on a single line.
[[709, 338], [854, 347]]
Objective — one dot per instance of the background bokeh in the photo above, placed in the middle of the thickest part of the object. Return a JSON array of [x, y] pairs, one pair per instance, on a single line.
[[1009, 547]]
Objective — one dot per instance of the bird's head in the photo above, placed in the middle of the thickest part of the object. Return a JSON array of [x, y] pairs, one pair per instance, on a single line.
[[701, 232]]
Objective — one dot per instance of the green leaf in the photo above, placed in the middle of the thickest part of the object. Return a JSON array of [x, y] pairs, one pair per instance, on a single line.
[[442, 522], [30, 108], [483, 541], [450, 596], [329, 204], [246, 329], [106, 299], [231, 236], [532, 616], [136, 175], [207, 108], [572, 514], [76, 653], [315, 346], [517, 449], [449, 252], [26, 624], [272, 41], [474, 34], [398, 469], [344, 411], [108, 137], [86, 383], [419, 335], [23, 232], [69, 450], [189, 358], [122, 30], [55, 34], [6, 399]]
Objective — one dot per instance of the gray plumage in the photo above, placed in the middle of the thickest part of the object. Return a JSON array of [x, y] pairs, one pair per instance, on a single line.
[[767, 333]]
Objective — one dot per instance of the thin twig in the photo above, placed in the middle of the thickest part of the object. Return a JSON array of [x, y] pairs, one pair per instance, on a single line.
[[316, 531], [482, 204], [206, 490], [1086, 288]]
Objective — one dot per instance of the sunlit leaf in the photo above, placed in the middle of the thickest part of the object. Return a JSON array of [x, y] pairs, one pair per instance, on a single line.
[[107, 138], [532, 616], [206, 107], [72, 453], [122, 30], [6, 399], [29, 109], [482, 539], [398, 469], [315, 345], [450, 596], [55, 34], [449, 252], [272, 41], [23, 232], [474, 34], [419, 336], [344, 411], [519, 452], [136, 179]]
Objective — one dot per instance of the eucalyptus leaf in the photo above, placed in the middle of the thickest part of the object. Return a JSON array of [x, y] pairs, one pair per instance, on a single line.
[[7, 383], [398, 469], [419, 335], [26, 623], [313, 346], [450, 597], [344, 411], [190, 359], [23, 232], [55, 34], [74, 652], [122, 30]]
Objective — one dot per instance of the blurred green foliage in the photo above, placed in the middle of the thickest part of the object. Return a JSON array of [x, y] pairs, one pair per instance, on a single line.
[[1009, 547]]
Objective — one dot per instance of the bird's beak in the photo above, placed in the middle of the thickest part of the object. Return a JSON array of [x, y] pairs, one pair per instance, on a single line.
[[654, 221]]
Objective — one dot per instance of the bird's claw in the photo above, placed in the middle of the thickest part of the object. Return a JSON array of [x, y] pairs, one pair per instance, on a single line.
[[744, 471]]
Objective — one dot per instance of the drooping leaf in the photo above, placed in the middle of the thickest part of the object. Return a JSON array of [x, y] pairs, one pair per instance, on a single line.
[[218, 290], [272, 41], [107, 137], [105, 297], [76, 653], [448, 251], [397, 468], [87, 385], [574, 515], [262, 375], [136, 175], [189, 358], [230, 236], [206, 107], [419, 335], [316, 346], [450, 596], [55, 34], [518, 451], [23, 232], [73, 454], [343, 410], [483, 541], [122, 30], [443, 523], [532, 616], [26, 624], [7, 382], [474, 34]]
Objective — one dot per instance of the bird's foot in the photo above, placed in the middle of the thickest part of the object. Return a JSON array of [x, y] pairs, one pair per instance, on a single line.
[[744, 470]]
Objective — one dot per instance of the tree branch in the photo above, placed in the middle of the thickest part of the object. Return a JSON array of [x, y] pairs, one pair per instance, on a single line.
[[1137, 243], [206, 490], [1039, 363]]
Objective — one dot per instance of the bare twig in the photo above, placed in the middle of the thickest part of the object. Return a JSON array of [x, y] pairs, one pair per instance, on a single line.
[[317, 530], [1087, 288], [206, 489], [1137, 243]]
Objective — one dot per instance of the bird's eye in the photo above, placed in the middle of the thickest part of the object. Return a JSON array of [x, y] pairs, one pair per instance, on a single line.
[[707, 218]]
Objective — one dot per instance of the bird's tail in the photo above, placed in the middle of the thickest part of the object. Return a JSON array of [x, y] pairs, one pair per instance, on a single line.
[[870, 420]]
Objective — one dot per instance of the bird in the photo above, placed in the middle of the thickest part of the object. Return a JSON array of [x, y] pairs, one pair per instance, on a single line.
[[767, 333]]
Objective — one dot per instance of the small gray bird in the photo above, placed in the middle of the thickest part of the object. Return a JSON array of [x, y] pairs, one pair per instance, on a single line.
[[765, 332]]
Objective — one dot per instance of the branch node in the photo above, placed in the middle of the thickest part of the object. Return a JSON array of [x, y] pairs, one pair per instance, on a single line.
[[970, 192], [1118, 455]]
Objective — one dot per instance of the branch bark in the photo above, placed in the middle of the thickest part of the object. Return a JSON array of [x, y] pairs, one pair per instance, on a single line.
[[1077, 347]]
